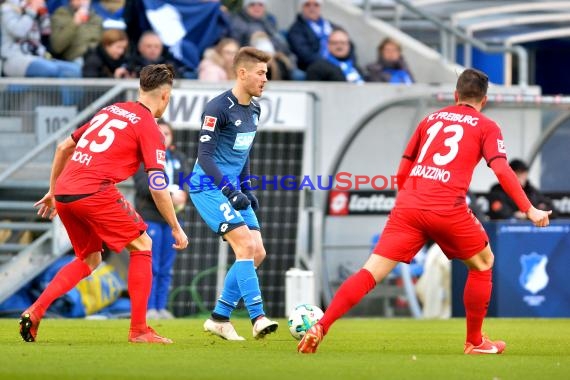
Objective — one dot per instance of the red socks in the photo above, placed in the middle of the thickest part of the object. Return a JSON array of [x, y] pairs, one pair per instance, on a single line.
[[476, 298], [63, 282], [140, 283], [348, 295]]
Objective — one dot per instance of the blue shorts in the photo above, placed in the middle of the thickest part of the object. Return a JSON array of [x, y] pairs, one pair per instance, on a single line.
[[219, 214]]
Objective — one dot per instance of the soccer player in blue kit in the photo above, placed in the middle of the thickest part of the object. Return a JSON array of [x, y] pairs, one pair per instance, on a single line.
[[220, 191]]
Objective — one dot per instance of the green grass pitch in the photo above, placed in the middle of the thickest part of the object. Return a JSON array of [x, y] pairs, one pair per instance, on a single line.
[[354, 349]]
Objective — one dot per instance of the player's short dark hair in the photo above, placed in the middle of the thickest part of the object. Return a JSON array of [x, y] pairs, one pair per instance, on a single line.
[[154, 76], [250, 55], [472, 84]]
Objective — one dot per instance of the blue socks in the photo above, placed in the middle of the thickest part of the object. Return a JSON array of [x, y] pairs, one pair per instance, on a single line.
[[241, 282], [229, 298], [249, 287]]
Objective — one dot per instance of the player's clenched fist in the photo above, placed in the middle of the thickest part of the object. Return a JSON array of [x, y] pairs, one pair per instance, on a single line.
[[538, 217], [238, 200], [180, 238]]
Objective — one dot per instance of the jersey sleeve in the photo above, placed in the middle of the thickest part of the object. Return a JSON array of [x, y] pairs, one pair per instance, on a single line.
[[76, 135], [152, 145], [492, 143], [213, 119], [510, 184]]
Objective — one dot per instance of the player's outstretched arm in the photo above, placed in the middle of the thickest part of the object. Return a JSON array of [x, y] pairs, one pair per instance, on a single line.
[[163, 201], [62, 155], [509, 182]]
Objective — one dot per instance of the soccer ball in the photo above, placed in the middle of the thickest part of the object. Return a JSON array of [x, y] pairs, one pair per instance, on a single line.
[[302, 318]]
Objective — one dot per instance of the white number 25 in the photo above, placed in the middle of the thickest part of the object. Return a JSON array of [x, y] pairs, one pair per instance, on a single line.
[[105, 131]]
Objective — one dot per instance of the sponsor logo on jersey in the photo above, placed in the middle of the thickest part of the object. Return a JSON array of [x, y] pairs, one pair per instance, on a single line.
[[161, 157], [237, 123], [501, 146], [224, 227], [209, 123], [244, 140], [205, 138]]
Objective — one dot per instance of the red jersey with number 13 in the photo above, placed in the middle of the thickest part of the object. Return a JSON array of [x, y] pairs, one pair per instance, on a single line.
[[110, 149], [445, 149]]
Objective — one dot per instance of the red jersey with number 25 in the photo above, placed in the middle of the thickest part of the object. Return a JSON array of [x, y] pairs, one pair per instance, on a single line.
[[110, 149], [445, 149]]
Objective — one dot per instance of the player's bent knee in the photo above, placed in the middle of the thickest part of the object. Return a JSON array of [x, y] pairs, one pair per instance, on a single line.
[[142, 243], [481, 261], [93, 260], [245, 250], [488, 261], [259, 255]]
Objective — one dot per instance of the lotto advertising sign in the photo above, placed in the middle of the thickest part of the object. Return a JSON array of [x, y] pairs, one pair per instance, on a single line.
[[341, 203]]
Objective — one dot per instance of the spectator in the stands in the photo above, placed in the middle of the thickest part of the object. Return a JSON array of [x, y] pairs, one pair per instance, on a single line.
[[25, 30], [390, 66], [339, 64], [218, 62], [150, 51], [254, 18], [502, 206], [308, 35], [279, 67], [75, 28], [107, 59]]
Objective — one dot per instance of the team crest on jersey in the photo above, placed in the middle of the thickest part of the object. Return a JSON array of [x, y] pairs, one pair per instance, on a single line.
[[209, 123], [255, 119], [161, 157], [501, 146]]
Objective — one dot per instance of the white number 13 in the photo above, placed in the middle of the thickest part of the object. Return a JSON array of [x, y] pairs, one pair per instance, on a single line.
[[452, 142]]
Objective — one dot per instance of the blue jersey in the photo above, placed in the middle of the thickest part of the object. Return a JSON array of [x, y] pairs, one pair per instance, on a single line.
[[226, 137]]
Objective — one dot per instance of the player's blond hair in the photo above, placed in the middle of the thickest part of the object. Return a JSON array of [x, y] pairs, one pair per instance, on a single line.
[[248, 55]]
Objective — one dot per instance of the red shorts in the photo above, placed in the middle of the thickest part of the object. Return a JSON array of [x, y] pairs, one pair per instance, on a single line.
[[105, 216], [457, 231]]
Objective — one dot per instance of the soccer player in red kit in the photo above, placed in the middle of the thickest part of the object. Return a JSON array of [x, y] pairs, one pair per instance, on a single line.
[[433, 177], [105, 151]]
